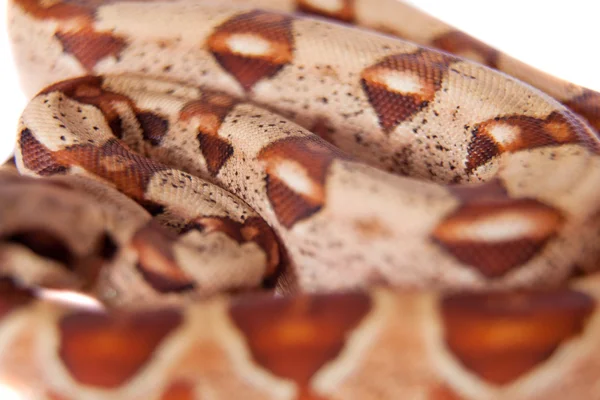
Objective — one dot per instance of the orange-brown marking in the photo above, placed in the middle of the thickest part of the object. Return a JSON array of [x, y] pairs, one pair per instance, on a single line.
[[513, 133], [478, 233], [501, 336], [37, 158], [179, 390], [272, 40], [209, 113], [254, 229], [59, 10], [294, 337], [128, 171], [323, 129], [422, 73], [463, 45], [76, 87], [156, 261], [89, 47], [66, 9], [292, 160], [76, 29], [344, 13], [216, 151], [105, 350]]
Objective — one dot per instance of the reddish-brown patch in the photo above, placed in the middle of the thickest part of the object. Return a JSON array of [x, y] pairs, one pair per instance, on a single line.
[[422, 72], [89, 47], [12, 296], [502, 336], [588, 106], [209, 113], [289, 161], [344, 13], [179, 390], [254, 229], [59, 10], [154, 126], [67, 9], [480, 233], [294, 337], [77, 87], [272, 46], [105, 350], [128, 171], [463, 45], [324, 130], [258, 231], [216, 151], [156, 261], [37, 158], [514, 133], [76, 30]]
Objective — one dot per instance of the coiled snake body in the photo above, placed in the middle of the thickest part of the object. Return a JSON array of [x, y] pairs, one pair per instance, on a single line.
[[425, 227]]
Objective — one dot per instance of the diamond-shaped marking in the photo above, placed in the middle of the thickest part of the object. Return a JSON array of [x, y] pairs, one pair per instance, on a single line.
[[253, 46], [401, 85]]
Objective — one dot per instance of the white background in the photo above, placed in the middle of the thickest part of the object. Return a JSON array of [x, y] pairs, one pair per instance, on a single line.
[[560, 37]]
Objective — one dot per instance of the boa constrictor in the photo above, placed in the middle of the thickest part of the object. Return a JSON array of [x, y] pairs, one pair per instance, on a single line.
[[424, 227]]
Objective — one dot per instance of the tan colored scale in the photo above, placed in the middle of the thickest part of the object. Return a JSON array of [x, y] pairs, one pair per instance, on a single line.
[[273, 206], [349, 110]]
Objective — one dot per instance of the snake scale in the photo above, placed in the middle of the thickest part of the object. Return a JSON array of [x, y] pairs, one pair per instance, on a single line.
[[293, 199]]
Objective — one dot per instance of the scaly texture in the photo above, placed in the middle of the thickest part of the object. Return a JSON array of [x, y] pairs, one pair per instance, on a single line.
[[432, 224]]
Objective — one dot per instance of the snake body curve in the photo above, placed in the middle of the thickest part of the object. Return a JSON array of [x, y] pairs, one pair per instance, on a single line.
[[431, 223]]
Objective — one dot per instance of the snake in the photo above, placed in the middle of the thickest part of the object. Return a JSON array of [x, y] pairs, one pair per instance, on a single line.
[[293, 199]]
